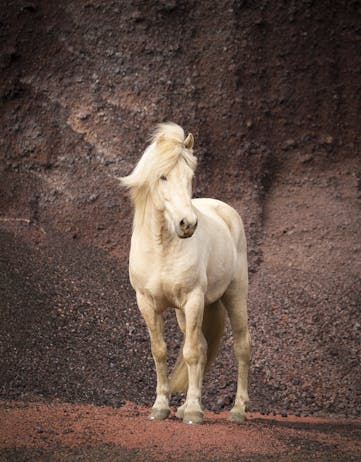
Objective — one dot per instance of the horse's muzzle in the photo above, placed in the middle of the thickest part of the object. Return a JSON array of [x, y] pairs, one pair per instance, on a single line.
[[186, 229]]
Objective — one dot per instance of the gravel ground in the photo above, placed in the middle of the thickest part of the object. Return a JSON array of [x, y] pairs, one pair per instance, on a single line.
[[64, 432]]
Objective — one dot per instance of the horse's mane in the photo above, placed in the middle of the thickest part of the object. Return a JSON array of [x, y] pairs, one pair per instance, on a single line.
[[168, 146]]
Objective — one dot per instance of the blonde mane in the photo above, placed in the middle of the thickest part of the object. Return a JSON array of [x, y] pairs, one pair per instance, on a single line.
[[168, 146]]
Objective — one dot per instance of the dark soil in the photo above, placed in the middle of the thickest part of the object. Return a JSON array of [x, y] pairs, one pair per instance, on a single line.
[[271, 92]]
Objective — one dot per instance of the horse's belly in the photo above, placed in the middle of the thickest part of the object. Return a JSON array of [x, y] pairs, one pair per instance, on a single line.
[[217, 286], [215, 293], [220, 271]]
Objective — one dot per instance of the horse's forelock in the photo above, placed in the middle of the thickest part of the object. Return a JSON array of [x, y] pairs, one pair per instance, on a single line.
[[168, 132], [170, 145], [166, 149]]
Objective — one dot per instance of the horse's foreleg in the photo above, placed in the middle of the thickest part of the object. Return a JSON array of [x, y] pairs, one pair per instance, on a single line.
[[235, 301], [154, 321], [181, 319], [194, 353]]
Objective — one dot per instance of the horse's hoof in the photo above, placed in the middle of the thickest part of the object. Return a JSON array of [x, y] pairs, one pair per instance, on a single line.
[[193, 417], [159, 414], [180, 413], [237, 417]]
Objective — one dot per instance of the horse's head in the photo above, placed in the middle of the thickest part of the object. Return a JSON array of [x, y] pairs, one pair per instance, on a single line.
[[174, 191], [165, 173]]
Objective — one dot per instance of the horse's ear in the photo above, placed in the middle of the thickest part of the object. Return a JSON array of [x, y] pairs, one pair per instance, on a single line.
[[189, 141], [123, 180]]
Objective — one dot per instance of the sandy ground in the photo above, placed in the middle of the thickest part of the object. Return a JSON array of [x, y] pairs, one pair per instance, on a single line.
[[59, 431]]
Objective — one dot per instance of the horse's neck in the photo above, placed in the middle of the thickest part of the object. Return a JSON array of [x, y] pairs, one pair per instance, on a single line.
[[150, 226]]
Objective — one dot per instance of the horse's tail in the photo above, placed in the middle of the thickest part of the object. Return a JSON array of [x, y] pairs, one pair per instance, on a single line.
[[213, 329]]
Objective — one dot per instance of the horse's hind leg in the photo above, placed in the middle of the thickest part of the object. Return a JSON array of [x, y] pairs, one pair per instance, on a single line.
[[235, 301], [155, 323]]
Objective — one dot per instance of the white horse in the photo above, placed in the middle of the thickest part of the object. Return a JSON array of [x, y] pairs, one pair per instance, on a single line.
[[190, 255]]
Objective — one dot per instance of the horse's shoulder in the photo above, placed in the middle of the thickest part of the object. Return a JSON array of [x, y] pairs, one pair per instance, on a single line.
[[226, 213]]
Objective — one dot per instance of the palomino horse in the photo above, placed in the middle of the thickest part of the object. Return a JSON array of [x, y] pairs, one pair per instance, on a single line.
[[190, 255]]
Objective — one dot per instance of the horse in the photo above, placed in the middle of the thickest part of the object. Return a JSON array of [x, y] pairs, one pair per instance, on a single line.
[[190, 254]]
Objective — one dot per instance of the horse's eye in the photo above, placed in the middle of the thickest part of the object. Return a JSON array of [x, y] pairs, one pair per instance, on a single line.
[[163, 178]]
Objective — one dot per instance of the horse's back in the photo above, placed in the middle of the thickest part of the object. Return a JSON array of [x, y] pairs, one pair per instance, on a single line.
[[215, 208]]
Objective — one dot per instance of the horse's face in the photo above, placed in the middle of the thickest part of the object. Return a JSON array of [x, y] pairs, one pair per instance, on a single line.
[[175, 194]]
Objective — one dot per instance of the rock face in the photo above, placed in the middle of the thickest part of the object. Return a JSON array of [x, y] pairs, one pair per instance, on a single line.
[[271, 92]]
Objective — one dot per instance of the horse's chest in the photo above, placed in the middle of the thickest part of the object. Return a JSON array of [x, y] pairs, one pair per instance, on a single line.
[[144, 276], [167, 282]]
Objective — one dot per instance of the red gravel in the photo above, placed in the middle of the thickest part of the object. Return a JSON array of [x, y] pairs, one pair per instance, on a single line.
[[57, 428]]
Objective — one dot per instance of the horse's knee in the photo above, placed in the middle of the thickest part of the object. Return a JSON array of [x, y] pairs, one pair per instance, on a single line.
[[159, 351], [242, 344], [195, 352], [190, 355]]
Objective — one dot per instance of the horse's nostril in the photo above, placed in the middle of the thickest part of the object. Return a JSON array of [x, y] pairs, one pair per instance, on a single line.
[[188, 226]]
